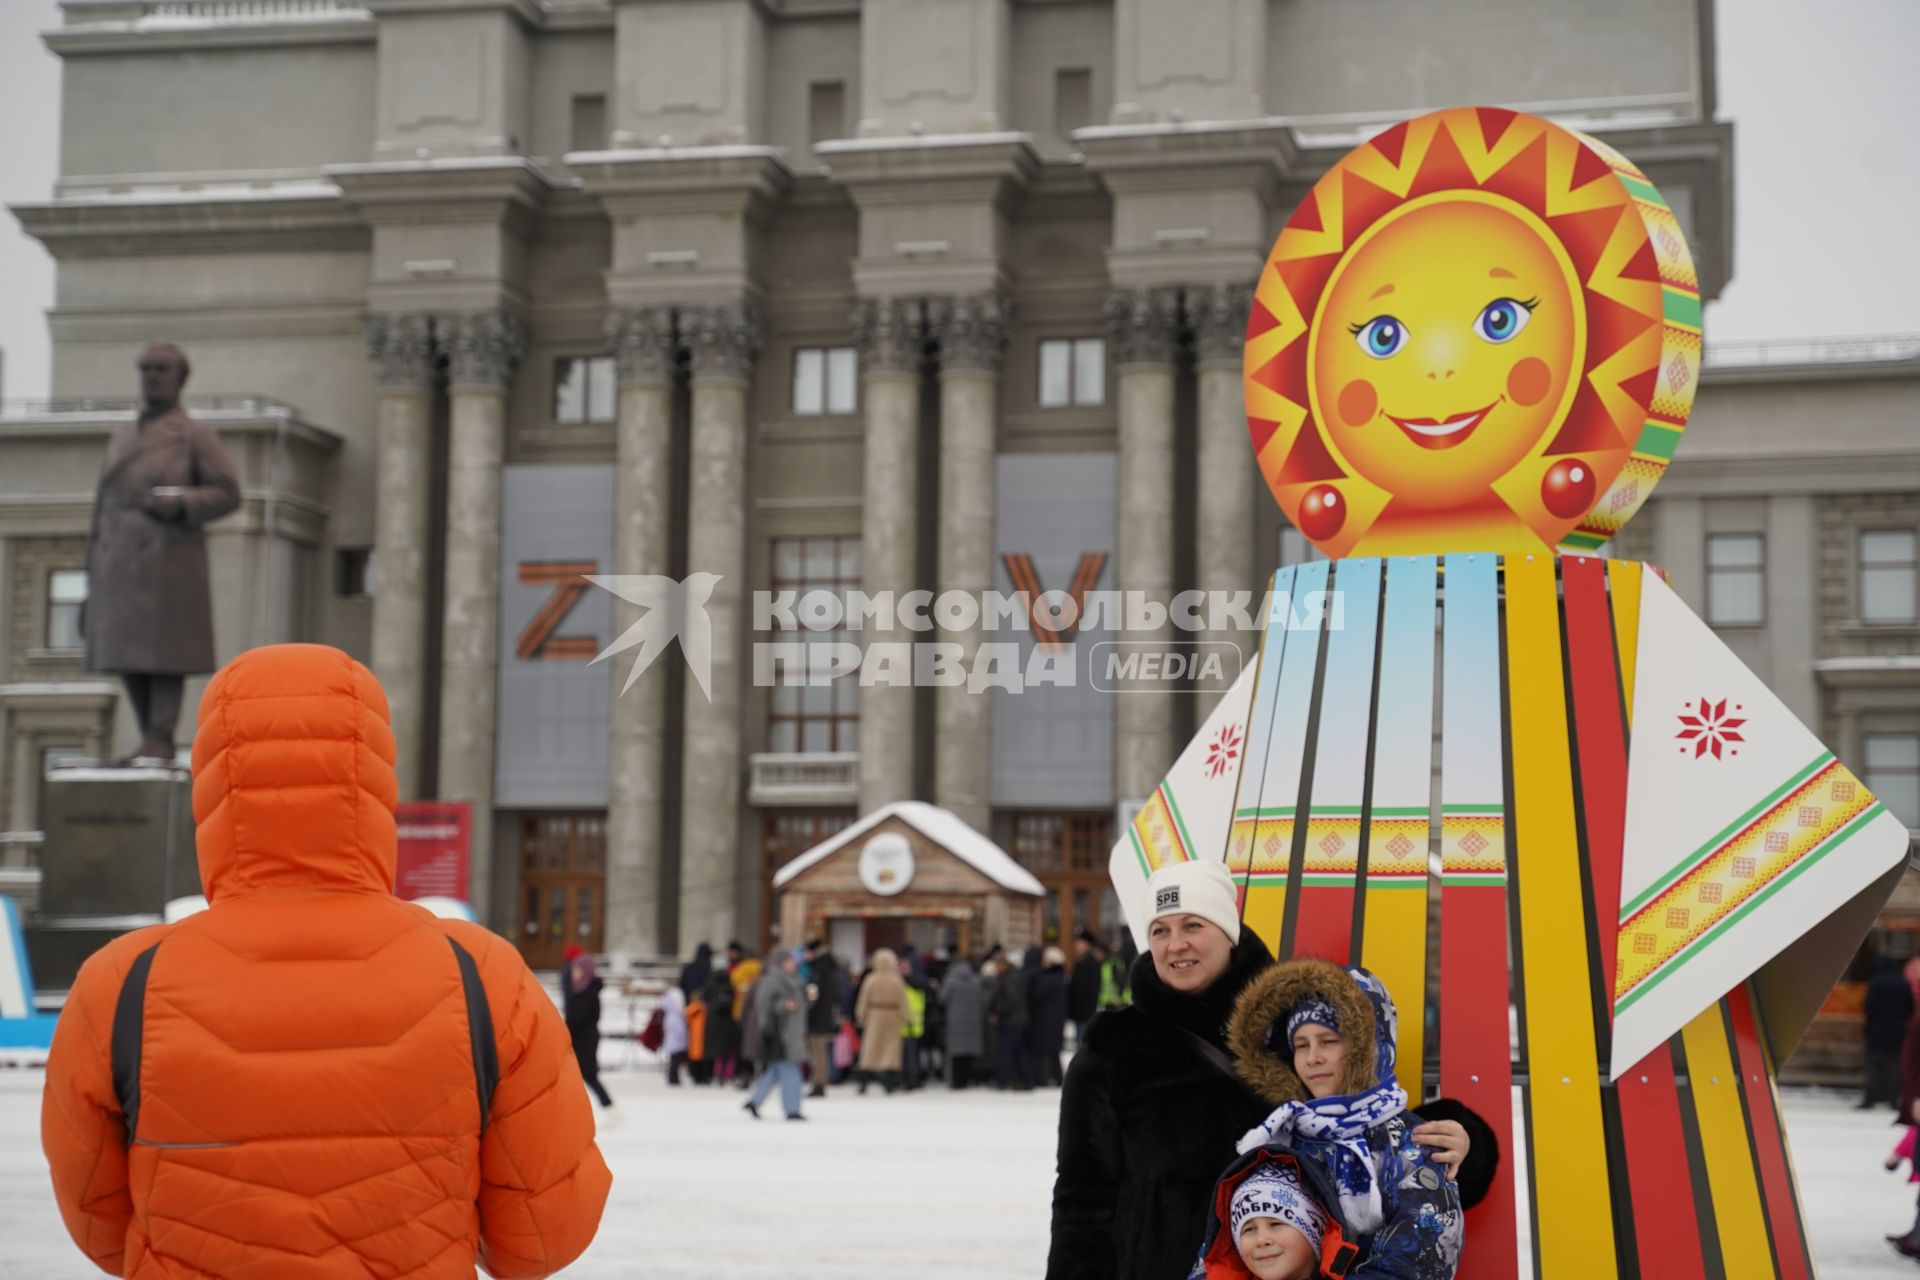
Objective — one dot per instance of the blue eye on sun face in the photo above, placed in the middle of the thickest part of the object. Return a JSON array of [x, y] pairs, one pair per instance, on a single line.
[[1502, 318], [1380, 337]]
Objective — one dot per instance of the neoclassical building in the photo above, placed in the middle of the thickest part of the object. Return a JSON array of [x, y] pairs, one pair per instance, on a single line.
[[810, 295]]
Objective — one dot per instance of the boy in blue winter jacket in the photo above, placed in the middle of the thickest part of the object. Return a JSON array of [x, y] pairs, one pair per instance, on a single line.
[[1318, 1041]]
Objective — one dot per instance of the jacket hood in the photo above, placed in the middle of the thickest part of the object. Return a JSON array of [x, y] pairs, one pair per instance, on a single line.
[[293, 782], [1257, 1034]]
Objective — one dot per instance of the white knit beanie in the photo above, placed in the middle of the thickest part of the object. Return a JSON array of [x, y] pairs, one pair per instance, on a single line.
[[1203, 889]]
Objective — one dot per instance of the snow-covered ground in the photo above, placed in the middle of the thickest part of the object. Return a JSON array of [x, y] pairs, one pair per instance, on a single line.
[[933, 1185]]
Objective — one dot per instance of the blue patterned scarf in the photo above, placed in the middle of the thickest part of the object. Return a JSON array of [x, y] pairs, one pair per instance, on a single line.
[[1332, 1132]]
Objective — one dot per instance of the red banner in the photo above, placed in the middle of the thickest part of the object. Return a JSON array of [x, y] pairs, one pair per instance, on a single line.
[[435, 849]]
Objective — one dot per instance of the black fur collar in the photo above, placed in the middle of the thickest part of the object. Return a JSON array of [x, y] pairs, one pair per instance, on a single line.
[[1204, 1013]]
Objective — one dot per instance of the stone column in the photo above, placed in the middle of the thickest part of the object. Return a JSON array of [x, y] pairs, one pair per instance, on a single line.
[[402, 351], [1225, 514], [891, 335], [972, 332], [1143, 332], [643, 348], [724, 341], [483, 351]]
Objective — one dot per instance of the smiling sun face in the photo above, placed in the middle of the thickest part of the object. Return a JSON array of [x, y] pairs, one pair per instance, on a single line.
[[1478, 332], [1445, 349]]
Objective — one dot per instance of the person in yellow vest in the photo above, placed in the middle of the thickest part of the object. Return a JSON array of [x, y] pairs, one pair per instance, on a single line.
[[915, 1028], [742, 973]]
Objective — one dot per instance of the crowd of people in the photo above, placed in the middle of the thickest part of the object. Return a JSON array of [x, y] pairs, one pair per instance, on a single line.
[[801, 1019]]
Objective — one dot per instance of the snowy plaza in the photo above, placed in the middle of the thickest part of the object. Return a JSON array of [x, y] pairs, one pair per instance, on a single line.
[[934, 1185]]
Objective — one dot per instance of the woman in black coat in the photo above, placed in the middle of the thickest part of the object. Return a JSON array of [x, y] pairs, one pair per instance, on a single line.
[[1047, 1019], [1152, 1108]]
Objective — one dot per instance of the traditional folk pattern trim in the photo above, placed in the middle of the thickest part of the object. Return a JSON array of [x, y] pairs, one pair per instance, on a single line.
[[1260, 849], [1333, 849], [1397, 850], [1737, 872], [1473, 845], [1159, 836]]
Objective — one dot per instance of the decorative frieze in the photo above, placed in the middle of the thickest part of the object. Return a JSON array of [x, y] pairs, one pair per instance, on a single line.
[[401, 348], [483, 348], [643, 343], [1143, 325], [724, 339], [972, 330], [891, 334], [1218, 313]]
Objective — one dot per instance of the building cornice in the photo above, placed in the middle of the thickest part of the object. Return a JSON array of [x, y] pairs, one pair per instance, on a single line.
[[742, 181], [308, 217], [127, 26], [508, 189], [1700, 474], [932, 169]]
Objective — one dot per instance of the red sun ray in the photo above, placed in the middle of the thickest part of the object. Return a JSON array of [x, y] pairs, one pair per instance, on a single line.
[[1588, 426], [1362, 205], [1494, 123], [1443, 168], [1306, 277], [1643, 265], [1262, 431], [1611, 326], [1640, 386], [1309, 459], [1523, 179], [1588, 167], [1392, 144], [1259, 319], [1307, 216], [1586, 234]]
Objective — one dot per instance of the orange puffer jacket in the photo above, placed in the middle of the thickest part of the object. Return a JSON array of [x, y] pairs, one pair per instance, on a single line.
[[302, 1091]]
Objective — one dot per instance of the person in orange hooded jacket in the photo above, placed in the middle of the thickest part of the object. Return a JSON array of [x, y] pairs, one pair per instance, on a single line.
[[300, 1082]]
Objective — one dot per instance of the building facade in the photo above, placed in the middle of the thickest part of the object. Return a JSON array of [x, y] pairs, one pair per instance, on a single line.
[[807, 296]]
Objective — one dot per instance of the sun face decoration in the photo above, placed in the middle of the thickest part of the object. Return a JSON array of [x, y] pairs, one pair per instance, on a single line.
[[1479, 332]]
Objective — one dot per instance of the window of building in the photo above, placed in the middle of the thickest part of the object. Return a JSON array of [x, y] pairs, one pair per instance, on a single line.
[[824, 381], [66, 594], [1073, 372], [1887, 575], [589, 123], [823, 716], [826, 111], [1072, 100], [1067, 852], [584, 389], [353, 572], [1893, 773], [1736, 579]]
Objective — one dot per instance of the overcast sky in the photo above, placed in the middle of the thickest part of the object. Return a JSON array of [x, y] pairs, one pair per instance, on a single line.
[[1824, 99]]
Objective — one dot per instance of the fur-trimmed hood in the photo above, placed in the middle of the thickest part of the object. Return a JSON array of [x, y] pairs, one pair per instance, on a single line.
[[1257, 1033]]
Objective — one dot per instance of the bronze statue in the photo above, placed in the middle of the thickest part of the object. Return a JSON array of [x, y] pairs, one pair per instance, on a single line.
[[149, 612]]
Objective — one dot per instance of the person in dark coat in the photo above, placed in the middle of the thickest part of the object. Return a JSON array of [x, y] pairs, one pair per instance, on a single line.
[[1007, 1015], [1148, 1117], [1047, 1019], [823, 1013], [1889, 1007], [149, 611], [696, 972], [580, 987], [1083, 999], [965, 1022], [722, 1050]]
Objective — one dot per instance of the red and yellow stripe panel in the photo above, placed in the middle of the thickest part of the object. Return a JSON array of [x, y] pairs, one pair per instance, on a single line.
[[1720, 1114], [1660, 1190], [1569, 1154], [1779, 1192]]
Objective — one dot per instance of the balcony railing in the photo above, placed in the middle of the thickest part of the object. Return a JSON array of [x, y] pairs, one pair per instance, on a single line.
[[804, 778], [1793, 352], [211, 11], [95, 406]]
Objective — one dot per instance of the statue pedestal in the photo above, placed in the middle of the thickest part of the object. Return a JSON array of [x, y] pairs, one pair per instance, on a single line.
[[119, 847]]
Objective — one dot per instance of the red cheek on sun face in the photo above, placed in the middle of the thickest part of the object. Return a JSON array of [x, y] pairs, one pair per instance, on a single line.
[[1529, 381], [1359, 402]]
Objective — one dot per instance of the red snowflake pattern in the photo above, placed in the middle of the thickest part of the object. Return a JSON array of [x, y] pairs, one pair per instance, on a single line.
[[1223, 750], [1710, 728]]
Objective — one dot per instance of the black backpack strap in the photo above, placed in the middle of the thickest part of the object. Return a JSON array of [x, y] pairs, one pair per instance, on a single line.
[[129, 1026], [486, 1055]]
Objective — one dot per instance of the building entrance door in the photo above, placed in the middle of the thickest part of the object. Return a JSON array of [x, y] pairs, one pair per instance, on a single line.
[[1067, 852], [563, 885]]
